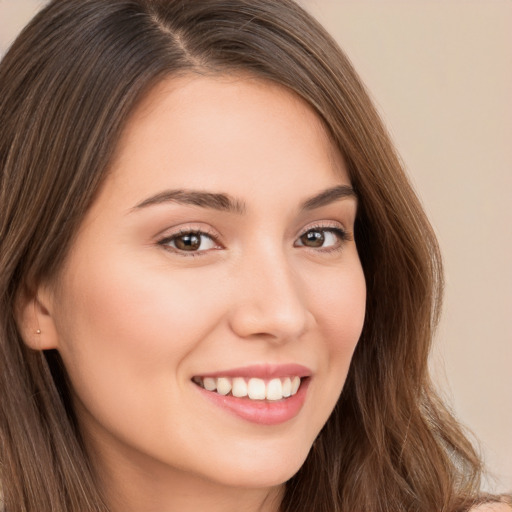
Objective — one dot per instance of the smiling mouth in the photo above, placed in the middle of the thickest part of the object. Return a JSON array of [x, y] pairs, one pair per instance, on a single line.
[[253, 388]]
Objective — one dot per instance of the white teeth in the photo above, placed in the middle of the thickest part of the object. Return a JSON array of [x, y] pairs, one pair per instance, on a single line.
[[254, 388], [295, 385], [223, 386], [239, 387], [274, 390], [209, 384], [287, 387]]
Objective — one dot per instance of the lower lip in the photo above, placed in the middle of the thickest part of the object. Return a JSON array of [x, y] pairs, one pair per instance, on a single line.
[[262, 412]]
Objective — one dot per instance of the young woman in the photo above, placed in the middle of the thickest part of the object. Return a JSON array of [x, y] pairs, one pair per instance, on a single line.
[[218, 288]]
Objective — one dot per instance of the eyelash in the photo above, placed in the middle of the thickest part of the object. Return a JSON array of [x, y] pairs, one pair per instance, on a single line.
[[164, 242], [342, 235]]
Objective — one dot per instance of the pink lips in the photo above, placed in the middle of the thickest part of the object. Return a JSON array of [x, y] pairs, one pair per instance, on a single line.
[[263, 412], [263, 371]]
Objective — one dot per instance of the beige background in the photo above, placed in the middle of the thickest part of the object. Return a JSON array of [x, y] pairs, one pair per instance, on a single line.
[[440, 72]]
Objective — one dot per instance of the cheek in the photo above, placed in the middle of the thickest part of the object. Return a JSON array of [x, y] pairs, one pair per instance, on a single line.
[[130, 330], [339, 312], [143, 310], [340, 308]]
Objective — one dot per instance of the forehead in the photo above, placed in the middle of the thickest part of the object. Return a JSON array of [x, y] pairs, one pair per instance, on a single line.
[[185, 91], [224, 109], [224, 133]]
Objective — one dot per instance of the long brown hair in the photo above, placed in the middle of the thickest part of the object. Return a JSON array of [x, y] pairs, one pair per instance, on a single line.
[[67, 87]]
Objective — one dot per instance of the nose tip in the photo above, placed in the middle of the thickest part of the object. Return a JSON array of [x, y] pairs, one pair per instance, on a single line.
[[269, 304]]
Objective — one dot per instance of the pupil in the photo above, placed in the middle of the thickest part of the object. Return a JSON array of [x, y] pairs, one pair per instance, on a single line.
[[313, 239], [188, 242]]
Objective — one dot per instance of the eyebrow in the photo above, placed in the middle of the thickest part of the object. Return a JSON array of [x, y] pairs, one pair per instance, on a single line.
[[226, 203], [328, 196], [222, 202]]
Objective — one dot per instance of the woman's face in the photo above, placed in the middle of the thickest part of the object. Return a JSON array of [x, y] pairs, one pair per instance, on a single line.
[[219, 252]]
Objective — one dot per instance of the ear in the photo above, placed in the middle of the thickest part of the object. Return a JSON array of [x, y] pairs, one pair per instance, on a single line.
[[34, 318]]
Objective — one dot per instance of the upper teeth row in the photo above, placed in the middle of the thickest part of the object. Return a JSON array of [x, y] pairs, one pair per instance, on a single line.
[[254, 388]]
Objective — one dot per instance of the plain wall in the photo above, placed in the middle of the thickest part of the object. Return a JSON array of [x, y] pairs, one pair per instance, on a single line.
[[440, 72]]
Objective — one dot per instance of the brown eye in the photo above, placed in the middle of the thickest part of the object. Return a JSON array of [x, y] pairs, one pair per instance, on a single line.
[[313, 239], [189, 242], [322, 238]]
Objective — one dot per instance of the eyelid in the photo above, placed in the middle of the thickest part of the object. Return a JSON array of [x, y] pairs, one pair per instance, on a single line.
[[325, 225], [163, 240], [332, 226]]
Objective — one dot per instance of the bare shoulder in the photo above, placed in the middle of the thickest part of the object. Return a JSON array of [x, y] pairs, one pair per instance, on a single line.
[[492, 507]]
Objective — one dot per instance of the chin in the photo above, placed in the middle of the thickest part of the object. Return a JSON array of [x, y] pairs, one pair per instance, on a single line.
[[264, 471]]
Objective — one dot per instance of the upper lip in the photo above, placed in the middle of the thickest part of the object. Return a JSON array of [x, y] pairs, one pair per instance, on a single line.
[[262, 371]]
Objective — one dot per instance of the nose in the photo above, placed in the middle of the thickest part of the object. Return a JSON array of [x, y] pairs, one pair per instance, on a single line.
[[268, 300]]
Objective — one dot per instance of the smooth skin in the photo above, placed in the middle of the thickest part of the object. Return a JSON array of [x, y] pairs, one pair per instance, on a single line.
[[156, 291]]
